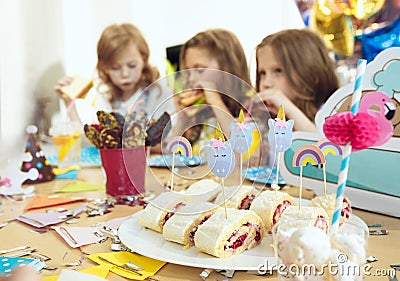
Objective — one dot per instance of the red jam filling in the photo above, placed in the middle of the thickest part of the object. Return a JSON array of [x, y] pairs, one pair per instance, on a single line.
[[238, 242], [346, 209], [246, 202], [322, 223], [173, 211], [242, 238], [193, 232], [279, 210]]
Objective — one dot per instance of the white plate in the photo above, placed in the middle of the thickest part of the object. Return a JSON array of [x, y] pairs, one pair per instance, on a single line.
[[152, 244]]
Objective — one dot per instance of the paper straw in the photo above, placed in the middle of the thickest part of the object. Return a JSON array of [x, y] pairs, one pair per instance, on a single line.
[[344, 167], [68, 110]]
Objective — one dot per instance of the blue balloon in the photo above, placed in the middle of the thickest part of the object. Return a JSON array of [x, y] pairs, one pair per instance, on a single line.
[[374, 42]]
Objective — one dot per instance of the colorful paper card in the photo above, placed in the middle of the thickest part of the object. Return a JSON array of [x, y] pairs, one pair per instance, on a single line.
[[38, 202], [7, 264], [80, 186], [373, 176], [79, 236], [151, 266], [44, 219]]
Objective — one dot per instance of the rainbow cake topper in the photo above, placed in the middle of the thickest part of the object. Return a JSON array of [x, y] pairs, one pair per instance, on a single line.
[[308, 153], [180, 145], [328, 147], [304, 155]]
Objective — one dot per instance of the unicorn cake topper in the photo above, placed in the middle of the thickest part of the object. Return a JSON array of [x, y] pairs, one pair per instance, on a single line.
[[241, 137], [241, 134], [280, 137], [280, 131], [221, 158]]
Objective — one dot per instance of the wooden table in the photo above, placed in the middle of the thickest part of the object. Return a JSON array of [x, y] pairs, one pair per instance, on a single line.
[[385, 248]]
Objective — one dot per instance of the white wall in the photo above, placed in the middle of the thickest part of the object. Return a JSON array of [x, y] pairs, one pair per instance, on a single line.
[[170, 22], [43, 40], [30, 56]]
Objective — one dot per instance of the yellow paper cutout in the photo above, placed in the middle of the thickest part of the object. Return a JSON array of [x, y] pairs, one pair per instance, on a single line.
[[151, 266], [60, 171], [254, 145], [50, 278], [80, 186], [98, 270]]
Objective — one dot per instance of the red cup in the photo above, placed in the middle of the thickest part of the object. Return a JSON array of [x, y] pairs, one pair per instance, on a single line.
[[125, 170]]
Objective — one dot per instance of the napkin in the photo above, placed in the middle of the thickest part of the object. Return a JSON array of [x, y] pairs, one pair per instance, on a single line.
[[38, 202], [44, 219], [80, 186], [151, 266]]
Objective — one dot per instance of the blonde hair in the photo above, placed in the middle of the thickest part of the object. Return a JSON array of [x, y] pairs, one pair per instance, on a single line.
[[307, 66], [114, 39]]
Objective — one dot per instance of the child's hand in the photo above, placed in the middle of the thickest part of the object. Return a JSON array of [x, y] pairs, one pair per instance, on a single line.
[[65, 81], [189, 98], [273, 99]]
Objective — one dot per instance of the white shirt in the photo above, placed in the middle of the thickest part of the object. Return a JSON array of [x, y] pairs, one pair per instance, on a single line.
[[154, 100]]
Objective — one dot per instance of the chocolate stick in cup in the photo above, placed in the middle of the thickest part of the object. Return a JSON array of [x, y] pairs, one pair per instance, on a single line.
[[156, 130], [92, 133]]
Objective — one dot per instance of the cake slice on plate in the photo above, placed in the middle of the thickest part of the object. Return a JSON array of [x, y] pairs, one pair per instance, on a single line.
[[328, 204], [182, 226], [295, 216], [224, 237], [238, 197], [270, 205], [159, 210], [204, 190]]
